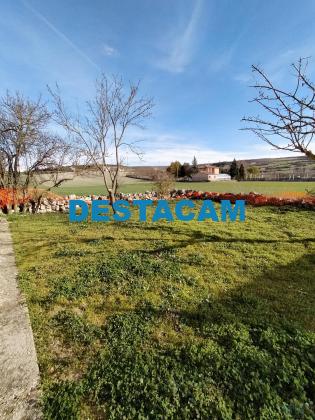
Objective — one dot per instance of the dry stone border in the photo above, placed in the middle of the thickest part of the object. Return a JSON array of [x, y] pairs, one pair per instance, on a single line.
[[49, 205]]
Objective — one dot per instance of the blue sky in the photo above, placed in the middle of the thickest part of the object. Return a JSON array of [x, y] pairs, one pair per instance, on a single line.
[[192, 56]]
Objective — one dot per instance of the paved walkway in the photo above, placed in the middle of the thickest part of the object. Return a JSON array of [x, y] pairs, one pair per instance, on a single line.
[[19, 374]]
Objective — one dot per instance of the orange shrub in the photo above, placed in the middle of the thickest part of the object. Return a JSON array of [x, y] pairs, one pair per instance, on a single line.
[[9, 197]]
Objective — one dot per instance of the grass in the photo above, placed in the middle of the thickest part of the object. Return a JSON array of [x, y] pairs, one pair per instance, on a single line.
[[264, 187], [182, 320]]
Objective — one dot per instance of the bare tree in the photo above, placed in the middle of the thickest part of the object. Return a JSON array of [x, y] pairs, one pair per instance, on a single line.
[[21, 127], [101, 132], [3, 170], [288, 115], [27, 146], [53, 172]]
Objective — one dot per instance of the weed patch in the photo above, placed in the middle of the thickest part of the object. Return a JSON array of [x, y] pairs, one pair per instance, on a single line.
[[233, 373], [74, 329]]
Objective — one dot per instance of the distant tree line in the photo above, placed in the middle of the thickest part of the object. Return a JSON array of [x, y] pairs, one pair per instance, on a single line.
[[179, 170], [241, 173], [237, 171]]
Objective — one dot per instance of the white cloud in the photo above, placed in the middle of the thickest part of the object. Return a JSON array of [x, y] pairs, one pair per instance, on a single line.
[[244, 77], [44, 60], [223, 60], [162, 148], [180, 50], [109, 50], [278, 67]]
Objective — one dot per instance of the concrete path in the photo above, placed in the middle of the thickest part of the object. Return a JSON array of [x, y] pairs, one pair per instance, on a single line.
[[19, 375]]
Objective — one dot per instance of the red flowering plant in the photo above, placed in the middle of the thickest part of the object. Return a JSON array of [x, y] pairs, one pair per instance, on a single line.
[[10, 197], [299, 200]]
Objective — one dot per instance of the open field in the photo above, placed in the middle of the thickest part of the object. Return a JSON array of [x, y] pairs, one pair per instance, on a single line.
[[89, 185], [181, 320]]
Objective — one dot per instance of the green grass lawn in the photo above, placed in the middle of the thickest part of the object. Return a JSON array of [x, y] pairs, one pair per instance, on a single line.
[[172, 320], [264, 187]]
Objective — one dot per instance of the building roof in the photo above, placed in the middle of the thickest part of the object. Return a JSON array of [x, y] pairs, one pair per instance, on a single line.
[[206, 165]]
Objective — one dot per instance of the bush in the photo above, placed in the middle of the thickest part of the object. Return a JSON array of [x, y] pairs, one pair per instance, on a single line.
[[163, 183]]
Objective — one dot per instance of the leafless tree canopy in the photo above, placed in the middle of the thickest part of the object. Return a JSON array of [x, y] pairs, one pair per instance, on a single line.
[[21, 129], [288, 120], [27, 147], [101, 131]]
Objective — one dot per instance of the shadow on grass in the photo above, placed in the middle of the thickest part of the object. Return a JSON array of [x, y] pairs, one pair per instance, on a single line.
[[199, 237], [284, 295], [249, 355], [259, 355]]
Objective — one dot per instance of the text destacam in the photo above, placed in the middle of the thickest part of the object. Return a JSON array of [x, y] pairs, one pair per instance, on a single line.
[[184, 210]]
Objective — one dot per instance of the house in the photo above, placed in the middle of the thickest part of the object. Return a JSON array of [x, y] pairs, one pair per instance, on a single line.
[[209, 169], [209, 173]]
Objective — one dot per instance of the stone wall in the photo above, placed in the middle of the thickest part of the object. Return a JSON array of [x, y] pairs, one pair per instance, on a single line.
[[49, 205], [46, 206]]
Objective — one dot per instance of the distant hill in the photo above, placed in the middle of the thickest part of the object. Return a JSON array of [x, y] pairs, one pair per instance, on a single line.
[[297, 166], [270, 168]]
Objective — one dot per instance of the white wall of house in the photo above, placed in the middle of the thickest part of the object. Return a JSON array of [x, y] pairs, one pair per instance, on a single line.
[[219, 177], [201, 176]]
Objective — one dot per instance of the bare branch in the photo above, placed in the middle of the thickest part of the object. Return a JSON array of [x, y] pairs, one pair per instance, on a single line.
[[101, 132], [27, 146], [292, 113]]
